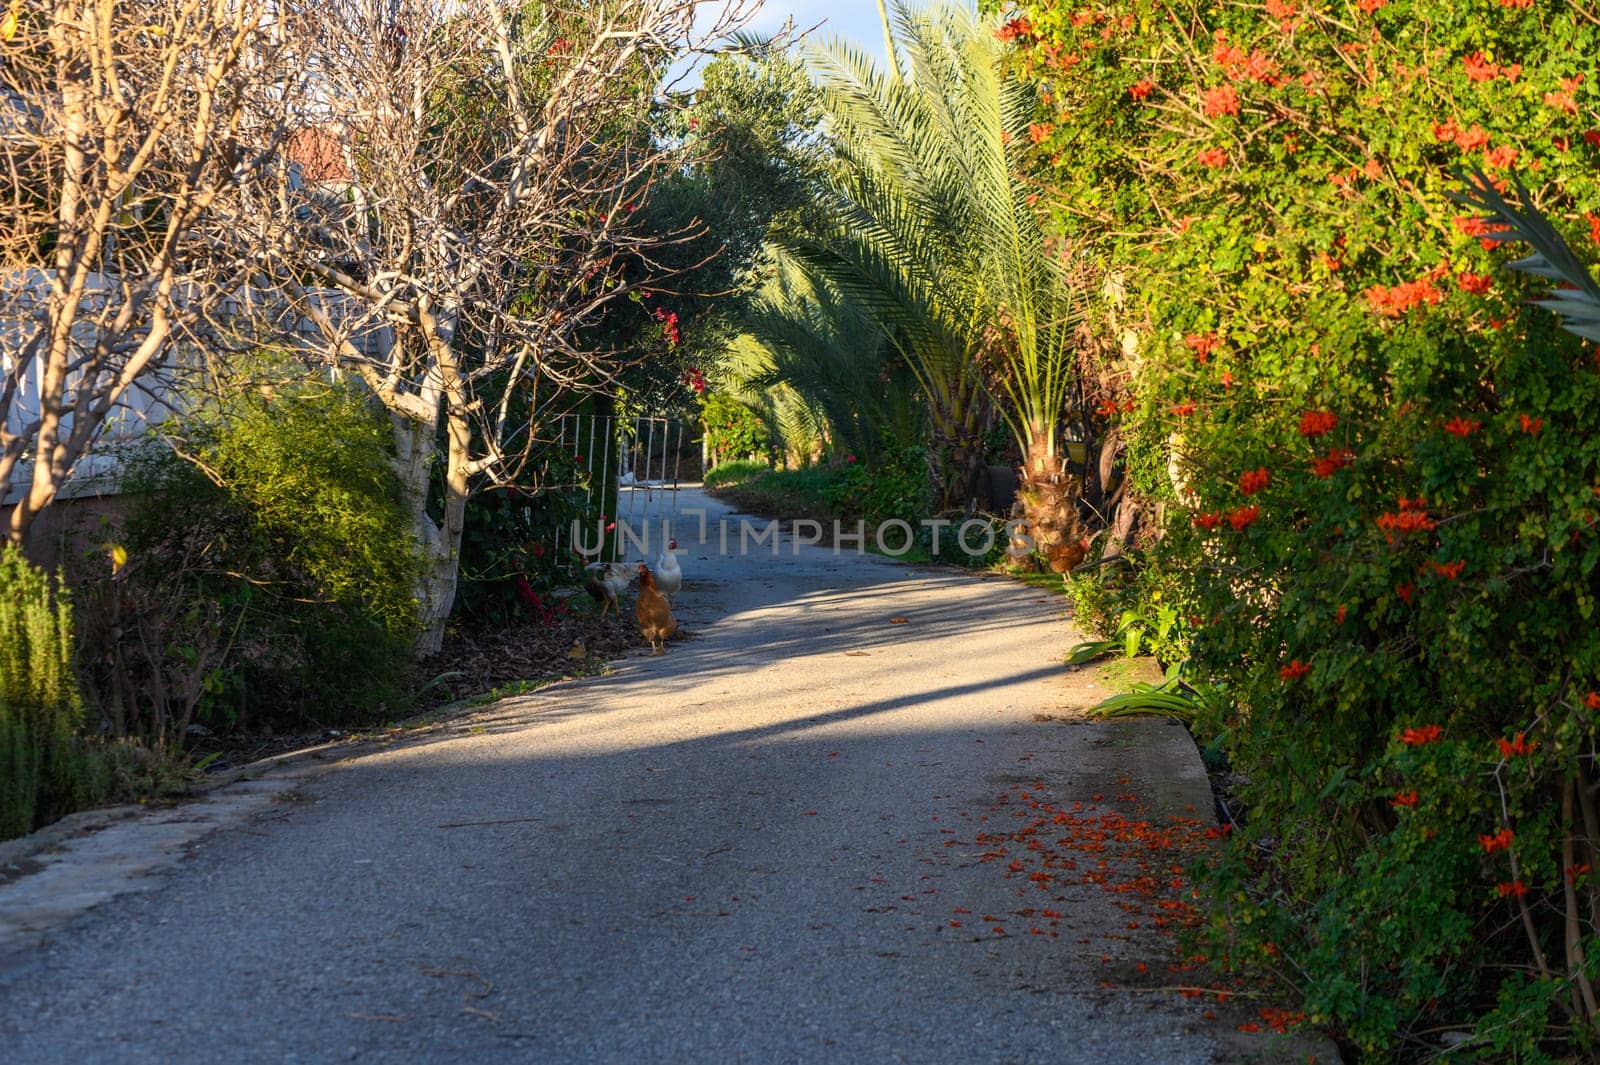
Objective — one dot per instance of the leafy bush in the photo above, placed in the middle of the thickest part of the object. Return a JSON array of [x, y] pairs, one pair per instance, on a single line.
[[44, 768], [269, 577], [733, 430], [1378, 476], [508, 552]]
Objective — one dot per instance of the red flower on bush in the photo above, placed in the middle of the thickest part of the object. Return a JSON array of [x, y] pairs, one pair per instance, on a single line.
[[1294, 670], [1393, 302], [1479, 68], [1184, 409], [1529, 425], [1340, 614], [1500, 158], [1462, 427], [1592, 700], [1314, 423], [1202, 344], [1222, 100], [1208, 521], [1515, 748], [1241, 518], [1140, 89], [1421, 735], [1475, 284], [1408, 799], [1405, 591], [1448, 570], [1253, 481], [1500, 841], [1212, 157], [1511, 888], [1332, 462], [1411, 517]]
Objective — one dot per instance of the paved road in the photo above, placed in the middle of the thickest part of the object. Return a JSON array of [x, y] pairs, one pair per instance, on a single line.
[[749, 850]]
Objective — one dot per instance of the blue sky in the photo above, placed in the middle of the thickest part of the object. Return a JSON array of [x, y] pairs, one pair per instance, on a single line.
[[856, 20]]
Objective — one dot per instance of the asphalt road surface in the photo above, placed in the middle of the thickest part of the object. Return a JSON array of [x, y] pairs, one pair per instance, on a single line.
[[760, 847]]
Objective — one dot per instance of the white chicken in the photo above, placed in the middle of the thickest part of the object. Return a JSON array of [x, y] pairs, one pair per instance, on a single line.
[[667, 572], [606, 581]]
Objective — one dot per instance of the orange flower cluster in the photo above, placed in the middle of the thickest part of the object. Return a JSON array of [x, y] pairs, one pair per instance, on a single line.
[[1530, 425], [1207, 521], [1480, 68], [1256, 66], [1202, 345], [1222, 100], [1243, 517], [1424, 734], [1393, 302], [1500, 841], [1184, 409], [1212, 157], [1468, 140], [1411, 517], [1475, 284], [1332, 462], [1462, 427], [1511, 888], [1448, 570], [1016, 29], [1515, 748], [1314, 423], [1253, 481], [1408, 799], [1141, 89], [1294, 670]]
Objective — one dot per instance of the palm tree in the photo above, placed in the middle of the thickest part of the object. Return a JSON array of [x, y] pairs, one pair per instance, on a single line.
[[934, 236], [818, 367]]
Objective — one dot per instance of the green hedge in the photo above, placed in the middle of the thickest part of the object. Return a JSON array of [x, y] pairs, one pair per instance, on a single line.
[[45, 770]]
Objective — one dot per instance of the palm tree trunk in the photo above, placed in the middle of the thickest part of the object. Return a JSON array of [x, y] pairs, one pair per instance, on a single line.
[[1049, 497]]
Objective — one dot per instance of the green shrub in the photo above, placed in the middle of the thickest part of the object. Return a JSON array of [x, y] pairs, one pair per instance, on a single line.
[[1378, 476], [45, 770], [270, 574], [733, 430]]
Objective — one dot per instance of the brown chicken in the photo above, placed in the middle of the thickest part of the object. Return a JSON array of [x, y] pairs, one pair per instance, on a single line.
[[655, 616]]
